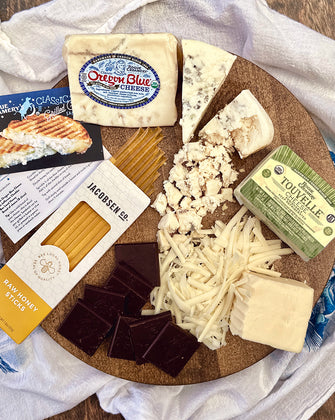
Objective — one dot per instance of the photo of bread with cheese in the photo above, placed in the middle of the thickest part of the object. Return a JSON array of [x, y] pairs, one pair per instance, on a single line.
[[13, 154], [62, 134]]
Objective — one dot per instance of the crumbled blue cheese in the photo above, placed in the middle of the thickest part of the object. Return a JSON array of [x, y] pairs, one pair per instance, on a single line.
[[197, 185]]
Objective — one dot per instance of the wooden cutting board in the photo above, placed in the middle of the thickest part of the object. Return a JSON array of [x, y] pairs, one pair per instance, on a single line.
[[294, 127]]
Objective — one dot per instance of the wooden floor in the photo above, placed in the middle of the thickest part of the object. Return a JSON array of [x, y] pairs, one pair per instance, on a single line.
[[318, 15]]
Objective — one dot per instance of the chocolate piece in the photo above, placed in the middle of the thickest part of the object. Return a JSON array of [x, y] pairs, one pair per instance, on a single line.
[[104, 302], [132, 280], [84, 328], [171, 349], [116, 286], [133, 302], [142, 257], [145, 330], [121, 346]]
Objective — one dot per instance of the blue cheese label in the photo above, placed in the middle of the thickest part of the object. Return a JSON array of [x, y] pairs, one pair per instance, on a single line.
[[119, 81]]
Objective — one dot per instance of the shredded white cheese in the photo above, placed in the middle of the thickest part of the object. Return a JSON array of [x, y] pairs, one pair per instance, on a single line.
[[201, 273]]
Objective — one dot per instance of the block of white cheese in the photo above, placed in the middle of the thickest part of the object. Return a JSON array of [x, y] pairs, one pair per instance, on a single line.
[[297, 204], [245, 121], [121, 80], [274, 311], [205, 69]]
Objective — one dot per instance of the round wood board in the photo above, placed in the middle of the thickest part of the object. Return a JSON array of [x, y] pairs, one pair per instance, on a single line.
[[294, 127]]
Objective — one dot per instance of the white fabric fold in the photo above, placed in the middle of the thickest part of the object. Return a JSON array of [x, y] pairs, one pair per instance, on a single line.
[[39, 378], [32, 40]]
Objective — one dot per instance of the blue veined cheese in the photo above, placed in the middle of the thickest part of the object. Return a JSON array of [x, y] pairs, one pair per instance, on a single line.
[[243, 122], [204, 71], [124, 80], [274, 311], [292, 200]]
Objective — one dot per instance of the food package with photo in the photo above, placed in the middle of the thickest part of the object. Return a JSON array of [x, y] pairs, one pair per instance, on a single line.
[[37, 131]]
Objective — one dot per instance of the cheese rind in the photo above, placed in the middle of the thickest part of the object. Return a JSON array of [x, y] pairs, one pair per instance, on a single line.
[[204, 72], [245, 121], [109, 106], [275, 312]]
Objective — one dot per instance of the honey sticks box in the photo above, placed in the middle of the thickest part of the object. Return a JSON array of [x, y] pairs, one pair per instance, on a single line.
[[62, 251]]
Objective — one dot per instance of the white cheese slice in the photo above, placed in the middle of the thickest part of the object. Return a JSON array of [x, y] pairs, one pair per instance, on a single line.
[[116, 95], [244, 122], [204, 71], [201, 272], [274, 311]]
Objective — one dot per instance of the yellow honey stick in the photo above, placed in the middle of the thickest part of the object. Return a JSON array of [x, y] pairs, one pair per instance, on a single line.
[[133, 161], [146, 163], [148, 184], [150, 172], [63, 233], [130, 148], [77, 233], [139, 159], [91, 239], [80, 235], [135, 144], [62, 228]]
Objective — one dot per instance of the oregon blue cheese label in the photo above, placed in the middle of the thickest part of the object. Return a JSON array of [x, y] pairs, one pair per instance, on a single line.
[[119, 81]]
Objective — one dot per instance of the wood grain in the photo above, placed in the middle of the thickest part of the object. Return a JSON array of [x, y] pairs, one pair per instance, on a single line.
[[292, 125], [318, 15]]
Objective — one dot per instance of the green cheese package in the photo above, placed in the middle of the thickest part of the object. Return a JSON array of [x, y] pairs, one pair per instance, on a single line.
[[292, 200]]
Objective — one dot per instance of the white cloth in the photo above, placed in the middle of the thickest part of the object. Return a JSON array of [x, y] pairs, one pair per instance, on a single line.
[[38, 378]]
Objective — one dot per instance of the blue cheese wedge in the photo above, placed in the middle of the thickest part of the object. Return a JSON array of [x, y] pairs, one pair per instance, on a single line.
[[204, 72], [274, 311], [244, 122], [124, 80], [292, 200]]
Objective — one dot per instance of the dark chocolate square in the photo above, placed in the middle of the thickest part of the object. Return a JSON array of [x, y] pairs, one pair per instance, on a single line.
[[133, 302], [143, 258], [132, 280], [171, 349], [104, 302], [121, 346], [84, 328], [145, 330]]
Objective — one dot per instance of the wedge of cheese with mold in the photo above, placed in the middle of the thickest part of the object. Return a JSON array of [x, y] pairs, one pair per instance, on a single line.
[[117, 98], [204, 71], [274, 311], [244, 121]]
